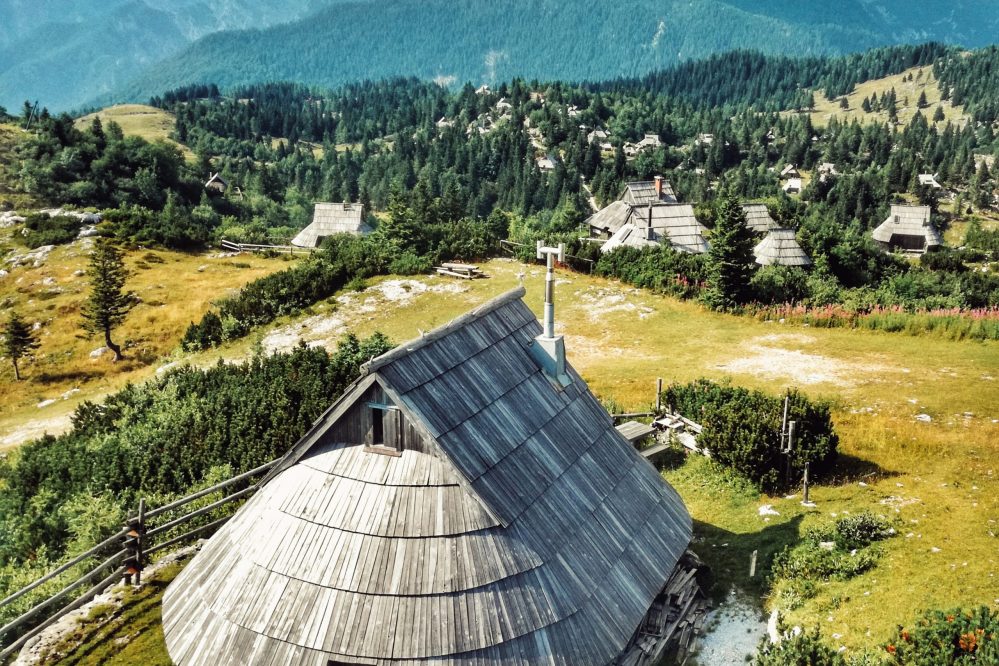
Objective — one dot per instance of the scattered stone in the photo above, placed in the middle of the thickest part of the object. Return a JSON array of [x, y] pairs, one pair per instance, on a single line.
[[925, 418], [97, 353], [862, 484], [934, 549], [164, 368], [70, 393], [46, 403], [202, 268], [827, 545], [79, 273], [768, 510], [87, 232]]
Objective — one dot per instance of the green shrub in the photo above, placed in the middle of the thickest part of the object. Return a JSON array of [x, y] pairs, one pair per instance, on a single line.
[[40, 229], [742, 429], [948, 638], [805, 649]]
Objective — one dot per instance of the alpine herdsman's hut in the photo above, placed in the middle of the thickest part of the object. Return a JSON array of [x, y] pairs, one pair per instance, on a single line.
[[329, 219], [908, 228], [466, 501]]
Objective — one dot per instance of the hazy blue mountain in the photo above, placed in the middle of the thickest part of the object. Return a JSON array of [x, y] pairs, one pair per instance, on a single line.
[[131, 49], [64, 52]]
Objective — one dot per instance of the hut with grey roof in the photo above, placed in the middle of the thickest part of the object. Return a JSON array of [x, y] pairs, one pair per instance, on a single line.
[[457, 505], [908, 229], [330, 219], [657, 224], [780, 248], [758, 218], [643, 193]]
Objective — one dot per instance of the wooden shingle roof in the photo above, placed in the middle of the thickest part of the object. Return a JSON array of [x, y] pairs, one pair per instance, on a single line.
[[911, 221], [527, 531], [780, 248], [642, 193], [758, 218], [658, 224], [329, 219]]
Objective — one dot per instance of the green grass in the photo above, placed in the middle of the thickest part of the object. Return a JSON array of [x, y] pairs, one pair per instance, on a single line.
[[128, 635]]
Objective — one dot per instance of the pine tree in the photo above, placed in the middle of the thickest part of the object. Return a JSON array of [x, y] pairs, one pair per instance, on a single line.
[[18, 341], [731, 258], [922, 103], [938, 115], [108, 303]]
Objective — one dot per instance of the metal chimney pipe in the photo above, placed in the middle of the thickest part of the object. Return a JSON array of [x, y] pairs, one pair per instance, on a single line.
[[550, 253]]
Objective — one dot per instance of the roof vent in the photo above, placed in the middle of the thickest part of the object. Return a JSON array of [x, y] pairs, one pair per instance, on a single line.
[[548, 349]]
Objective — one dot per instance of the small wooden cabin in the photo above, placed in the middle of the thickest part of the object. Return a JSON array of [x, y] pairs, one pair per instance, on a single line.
[[658, 224], [781, 248], [329, 219], [758, 218], [457, 505], [216, 184], [908, 229]]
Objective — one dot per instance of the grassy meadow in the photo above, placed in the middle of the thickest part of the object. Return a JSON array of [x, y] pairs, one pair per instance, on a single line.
[[140, 120], [175, 288], [936, 478], [907, 93]]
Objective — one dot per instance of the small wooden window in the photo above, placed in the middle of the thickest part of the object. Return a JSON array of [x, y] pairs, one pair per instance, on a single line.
[[386, 429]]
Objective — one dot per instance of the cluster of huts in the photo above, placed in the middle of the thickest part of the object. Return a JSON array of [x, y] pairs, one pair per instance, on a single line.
[[649, 214]]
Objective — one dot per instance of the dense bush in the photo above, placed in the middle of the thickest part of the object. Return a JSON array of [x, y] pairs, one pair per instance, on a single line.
[[948, 638], [660, 269], [803, 649], [742, 429], [40, 229], [164, 436]]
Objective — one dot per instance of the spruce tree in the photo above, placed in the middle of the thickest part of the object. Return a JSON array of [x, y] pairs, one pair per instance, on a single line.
[[731, 261], [18, 341], [108, 303]]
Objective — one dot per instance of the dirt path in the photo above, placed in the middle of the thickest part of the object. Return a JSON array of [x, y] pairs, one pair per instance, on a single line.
[[734, 629]]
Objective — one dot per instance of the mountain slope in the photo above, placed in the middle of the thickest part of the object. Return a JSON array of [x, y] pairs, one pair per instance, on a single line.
[[64, 52], [549, 39]]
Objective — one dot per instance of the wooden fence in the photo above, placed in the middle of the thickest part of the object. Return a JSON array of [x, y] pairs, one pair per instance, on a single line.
[[131, 546], [255, 247]]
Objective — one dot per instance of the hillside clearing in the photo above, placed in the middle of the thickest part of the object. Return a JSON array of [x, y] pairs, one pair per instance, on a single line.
[[139, 120], [175, 288], [907, 93]]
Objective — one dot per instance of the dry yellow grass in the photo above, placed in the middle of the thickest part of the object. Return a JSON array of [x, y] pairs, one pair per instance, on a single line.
[[907, 93], [175, 289], [139, 120]]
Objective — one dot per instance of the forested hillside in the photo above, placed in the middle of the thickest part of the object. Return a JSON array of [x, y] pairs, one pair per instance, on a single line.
[[490, 42]]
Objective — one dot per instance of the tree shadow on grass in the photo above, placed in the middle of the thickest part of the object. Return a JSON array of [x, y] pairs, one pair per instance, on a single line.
[[850, 469], [728, 554]]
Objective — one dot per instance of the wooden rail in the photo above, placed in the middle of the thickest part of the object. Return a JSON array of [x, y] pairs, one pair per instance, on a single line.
[[134, 548], [259, 247]]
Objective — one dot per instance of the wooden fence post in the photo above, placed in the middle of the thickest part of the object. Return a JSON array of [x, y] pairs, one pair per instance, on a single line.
[[659, 395]]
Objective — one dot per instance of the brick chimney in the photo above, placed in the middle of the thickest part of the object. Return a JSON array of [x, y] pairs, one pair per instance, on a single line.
[[659, 187]]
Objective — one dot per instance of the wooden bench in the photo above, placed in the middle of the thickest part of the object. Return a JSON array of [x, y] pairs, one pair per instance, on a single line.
[[463, 271]]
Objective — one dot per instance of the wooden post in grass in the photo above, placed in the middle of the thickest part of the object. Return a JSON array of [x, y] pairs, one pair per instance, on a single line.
[[133, 545], [752, 565], [659, 395], [806, 483]]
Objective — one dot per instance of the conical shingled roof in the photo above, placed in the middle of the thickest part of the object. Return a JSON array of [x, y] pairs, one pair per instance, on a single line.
[[515, 526], [780, 248]]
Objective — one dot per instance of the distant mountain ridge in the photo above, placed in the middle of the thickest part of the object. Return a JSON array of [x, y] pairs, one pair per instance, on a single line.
[[65, 52], [144, 48]]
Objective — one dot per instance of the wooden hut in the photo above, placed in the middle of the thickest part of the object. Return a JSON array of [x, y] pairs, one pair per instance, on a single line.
[[216, 183], [780, 248], [457, 505], [758, 218], [656, 224], [908, 228], [790, 171], [329, 219]]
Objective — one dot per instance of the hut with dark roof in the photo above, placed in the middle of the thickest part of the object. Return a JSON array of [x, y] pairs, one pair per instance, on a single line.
[[758, 218], [909, 229], [329, 219], [780, 248], [657, 224], [464, 502]]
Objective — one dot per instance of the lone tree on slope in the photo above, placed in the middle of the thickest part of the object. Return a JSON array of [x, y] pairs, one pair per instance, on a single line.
[[108, 302], [18, 341], [730, 260]]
